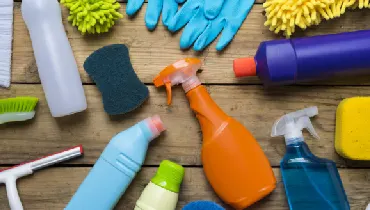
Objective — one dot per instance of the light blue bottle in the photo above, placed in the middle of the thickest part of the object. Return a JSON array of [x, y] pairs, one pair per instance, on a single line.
[[311, 183], [116, 167]]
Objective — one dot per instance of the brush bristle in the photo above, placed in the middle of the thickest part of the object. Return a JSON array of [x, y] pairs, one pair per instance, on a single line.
[[18, 104], [6, 36]]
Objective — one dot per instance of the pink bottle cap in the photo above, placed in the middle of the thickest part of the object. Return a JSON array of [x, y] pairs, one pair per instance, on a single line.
[[156, 125]]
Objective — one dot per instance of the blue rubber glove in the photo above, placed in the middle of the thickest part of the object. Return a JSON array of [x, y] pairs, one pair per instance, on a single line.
[[168, 9], [201, 31]]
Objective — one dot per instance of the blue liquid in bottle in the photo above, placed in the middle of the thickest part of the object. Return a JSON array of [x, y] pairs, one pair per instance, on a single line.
[[311, 183]]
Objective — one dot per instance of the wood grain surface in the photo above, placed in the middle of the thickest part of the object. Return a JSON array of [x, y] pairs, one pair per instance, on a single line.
[[244, 99], [53, 188], [254, 106]]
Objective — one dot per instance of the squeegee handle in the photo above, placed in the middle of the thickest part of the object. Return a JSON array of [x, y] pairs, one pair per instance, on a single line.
[[13, 196], [9, 178]]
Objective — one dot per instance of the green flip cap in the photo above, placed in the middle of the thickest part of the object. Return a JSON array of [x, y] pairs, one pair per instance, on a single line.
[[169, 176]]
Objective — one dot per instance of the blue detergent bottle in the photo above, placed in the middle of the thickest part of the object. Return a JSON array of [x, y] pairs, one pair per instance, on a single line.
[[116, 167], [310, 182]]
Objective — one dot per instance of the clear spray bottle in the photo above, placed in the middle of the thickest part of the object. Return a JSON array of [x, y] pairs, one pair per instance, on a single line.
[[310, 182]]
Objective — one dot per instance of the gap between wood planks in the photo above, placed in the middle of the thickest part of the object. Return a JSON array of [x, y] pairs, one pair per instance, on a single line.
[[66, 165], [253, 106]]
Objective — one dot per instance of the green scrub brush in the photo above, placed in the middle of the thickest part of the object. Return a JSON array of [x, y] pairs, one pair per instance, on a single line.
[[17, 109], [93, 16]]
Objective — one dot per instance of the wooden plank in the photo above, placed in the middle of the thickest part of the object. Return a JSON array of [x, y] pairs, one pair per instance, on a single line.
[[256, 108], [52, 189], [152, 51]]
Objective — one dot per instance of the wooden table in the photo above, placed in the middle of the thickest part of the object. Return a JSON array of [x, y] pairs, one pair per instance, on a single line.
[[244, 99]]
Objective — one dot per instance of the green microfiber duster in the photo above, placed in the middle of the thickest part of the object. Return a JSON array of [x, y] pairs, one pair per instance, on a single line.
[[93, 16], [111, 69]]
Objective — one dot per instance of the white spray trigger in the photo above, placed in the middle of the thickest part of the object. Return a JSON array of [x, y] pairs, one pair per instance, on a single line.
[[305, 122], [291, 125]]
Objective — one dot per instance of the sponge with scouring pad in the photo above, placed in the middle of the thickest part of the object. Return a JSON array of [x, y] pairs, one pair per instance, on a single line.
[[111, 69], [352, 135], [202, 205]]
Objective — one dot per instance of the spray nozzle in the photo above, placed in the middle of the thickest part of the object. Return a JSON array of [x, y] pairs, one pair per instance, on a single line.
[[292, 124], [181, 72]]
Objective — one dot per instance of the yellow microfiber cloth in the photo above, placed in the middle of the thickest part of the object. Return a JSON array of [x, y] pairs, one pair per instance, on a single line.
[[352, 135], [285, 15]]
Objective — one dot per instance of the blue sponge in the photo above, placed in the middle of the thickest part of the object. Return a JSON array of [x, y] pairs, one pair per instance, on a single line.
[[111, 70], [202, 205]]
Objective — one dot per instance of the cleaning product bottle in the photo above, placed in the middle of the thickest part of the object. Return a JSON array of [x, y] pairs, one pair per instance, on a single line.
[[116, 167], [234, 163], [54, 57], [310, 182], [162, 191], [289, 61]]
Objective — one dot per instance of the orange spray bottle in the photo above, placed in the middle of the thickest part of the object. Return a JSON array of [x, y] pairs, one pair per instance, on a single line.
[[233, 161]]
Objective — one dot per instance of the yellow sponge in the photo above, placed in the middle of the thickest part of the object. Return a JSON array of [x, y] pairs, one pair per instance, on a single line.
[[352, 137]]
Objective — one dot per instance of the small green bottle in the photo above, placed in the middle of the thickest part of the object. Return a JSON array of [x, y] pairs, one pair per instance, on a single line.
[[162, 191]]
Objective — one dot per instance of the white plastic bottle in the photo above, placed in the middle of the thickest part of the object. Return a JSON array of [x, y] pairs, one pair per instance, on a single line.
[[54, 57]]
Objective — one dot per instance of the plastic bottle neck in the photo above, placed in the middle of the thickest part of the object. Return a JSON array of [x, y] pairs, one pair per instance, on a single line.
[[298, 148], [155, 125], [191, 83], [289, 140]]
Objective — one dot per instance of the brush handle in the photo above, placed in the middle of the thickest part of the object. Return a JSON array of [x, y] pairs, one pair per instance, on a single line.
[[16, 117], [15, 202]]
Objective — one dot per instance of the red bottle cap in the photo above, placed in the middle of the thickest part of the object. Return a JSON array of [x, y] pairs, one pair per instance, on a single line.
[[244, 67]]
